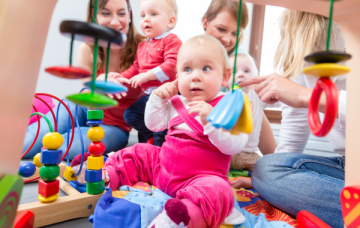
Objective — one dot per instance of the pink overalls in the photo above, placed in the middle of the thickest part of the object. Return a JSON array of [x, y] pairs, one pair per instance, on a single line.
[[187, 166]]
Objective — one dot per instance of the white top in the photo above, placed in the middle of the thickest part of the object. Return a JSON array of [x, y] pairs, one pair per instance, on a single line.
[[295, 130], [257, 110], [159, 112]]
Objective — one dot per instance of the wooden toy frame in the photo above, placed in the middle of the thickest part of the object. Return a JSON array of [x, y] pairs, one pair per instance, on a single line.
[[22, 51]]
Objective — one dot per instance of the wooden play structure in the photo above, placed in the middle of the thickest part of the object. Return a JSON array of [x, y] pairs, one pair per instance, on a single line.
[[22, 51]]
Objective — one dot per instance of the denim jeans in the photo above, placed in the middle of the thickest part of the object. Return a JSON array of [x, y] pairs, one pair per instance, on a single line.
[[114, 140], [294, 182], [134, 116]]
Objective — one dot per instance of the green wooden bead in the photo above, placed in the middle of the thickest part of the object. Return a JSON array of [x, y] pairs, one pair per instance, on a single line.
[[95, 188], [49, 172], [95, 114]]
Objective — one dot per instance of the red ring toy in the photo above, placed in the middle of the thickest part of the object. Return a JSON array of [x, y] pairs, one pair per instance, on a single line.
[[331, 109]]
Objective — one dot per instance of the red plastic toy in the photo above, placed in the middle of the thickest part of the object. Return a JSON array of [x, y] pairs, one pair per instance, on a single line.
[[307, 220], [326, 85], [350, 204], [24, 220]]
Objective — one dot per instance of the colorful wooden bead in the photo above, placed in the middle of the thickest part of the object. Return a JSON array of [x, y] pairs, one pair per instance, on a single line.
[[95, 163], [95, 188], [93, 175], [96, 134], [48, 188], [48, 199], [52, 141], [51, 157], [96, 149], [49, 172], [27, 169], [326, 70], [37, 159], [95, 114], [68, 174]]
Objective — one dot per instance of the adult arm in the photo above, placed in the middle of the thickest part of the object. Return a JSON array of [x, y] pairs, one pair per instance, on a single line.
[[267, 143]]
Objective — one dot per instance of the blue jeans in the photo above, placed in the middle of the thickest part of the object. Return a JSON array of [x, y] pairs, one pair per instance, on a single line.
[[134, 116], [294, 182], [114, 140]]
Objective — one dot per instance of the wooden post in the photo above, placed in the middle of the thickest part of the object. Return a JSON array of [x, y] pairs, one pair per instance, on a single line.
[[257, 29]]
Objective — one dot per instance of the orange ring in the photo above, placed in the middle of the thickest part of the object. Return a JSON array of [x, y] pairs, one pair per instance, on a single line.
[[331, 109]]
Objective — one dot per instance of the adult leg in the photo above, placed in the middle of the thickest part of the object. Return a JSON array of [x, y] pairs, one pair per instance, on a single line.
[[62, 128], [294, 182], [210, 194], [134, 116], [115, 139]]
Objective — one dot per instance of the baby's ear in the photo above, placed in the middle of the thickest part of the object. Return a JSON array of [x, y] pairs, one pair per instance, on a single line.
[[226, 77], [171, 23]]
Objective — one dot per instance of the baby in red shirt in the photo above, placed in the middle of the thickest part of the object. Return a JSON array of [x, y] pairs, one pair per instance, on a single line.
[[155, 61]]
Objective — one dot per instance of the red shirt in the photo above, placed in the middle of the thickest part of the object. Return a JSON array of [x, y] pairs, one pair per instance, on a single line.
[[156, 53], [115, 116]]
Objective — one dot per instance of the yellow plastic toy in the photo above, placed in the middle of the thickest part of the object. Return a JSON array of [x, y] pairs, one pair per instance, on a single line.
[[245, 121], [326, 70]]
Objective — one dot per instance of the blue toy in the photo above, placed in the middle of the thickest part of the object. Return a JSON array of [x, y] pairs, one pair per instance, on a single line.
[[27, 169]]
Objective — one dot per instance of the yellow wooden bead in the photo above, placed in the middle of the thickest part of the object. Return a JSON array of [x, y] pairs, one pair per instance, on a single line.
[[68, 174], [95, 163], [245, 121], [326, 70], [36, 160], [48, 199], [96, 134], [52, 141]]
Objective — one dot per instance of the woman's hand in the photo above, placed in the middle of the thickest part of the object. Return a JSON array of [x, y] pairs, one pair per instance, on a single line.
[[116, 78], [273, 88], [202, 108], [167, 90]]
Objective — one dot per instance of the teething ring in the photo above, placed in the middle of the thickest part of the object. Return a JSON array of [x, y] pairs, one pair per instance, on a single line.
[[323, 84]]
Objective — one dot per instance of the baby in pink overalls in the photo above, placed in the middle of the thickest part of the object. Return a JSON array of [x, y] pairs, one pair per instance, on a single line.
[[193, 163]]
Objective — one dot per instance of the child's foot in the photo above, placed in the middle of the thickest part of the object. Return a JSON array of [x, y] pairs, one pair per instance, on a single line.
[[175, 215]]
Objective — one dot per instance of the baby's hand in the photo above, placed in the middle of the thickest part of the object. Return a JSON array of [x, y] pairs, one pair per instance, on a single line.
[[167, 90], [140, 78], [202, 108]]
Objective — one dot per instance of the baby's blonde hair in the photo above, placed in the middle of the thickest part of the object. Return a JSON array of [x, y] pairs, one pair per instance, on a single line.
[[301, 33], [171, 6], [247, 56], [207, 41]]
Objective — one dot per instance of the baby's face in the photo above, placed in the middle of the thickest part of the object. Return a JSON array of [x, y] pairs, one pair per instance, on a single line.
[[200, 72], [155, 18], [244, 69]]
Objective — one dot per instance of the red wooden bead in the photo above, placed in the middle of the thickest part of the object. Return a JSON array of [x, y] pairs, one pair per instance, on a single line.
[[47, 189], [307, 220], [96, 149]]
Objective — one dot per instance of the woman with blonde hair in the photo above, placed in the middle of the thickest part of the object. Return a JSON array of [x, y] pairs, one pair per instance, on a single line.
[[117, 15], [289, 179]]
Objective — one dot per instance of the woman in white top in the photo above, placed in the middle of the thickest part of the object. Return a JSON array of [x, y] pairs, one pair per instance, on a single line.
[[296, 181]]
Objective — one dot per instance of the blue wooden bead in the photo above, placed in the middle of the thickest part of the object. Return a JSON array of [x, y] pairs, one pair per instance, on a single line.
[[92, 176], [51, 157], [94, 123], [27, 169]]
